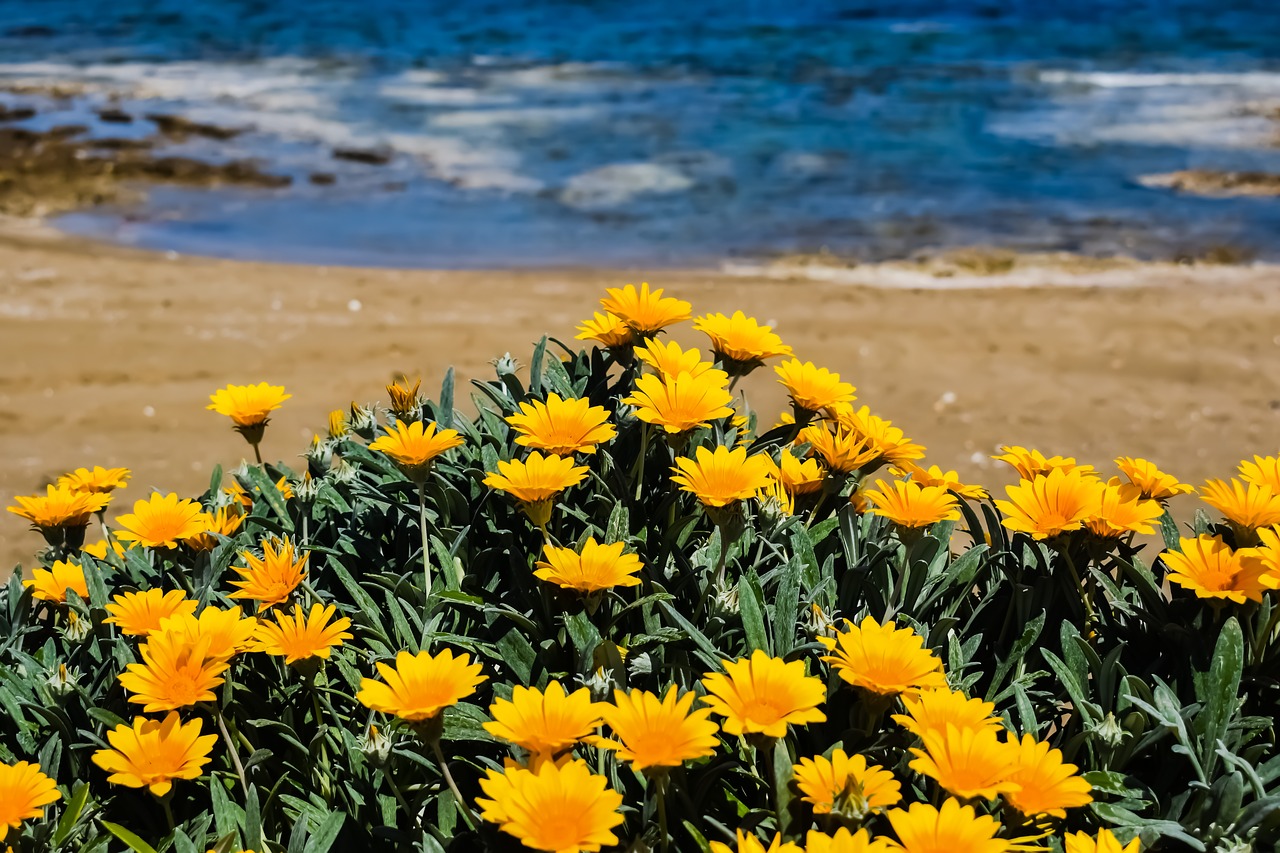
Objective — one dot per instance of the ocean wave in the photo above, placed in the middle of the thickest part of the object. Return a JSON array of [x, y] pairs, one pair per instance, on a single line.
[[1267, 80]]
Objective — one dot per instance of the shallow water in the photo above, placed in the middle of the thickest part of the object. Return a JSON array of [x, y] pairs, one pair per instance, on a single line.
[[659, 132]]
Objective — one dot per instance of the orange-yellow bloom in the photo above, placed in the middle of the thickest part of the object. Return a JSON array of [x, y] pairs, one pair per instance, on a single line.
[[1032, 463], [813, 388], [248, 405], [544, 722], [722, 477], [1122, 509], [681, 403], [563, 427], [415, 446], [1052, 504], [799, 477], [404, 397], [60, 506], [608, 329], [967, 763], [98, 480], [302, 635], [935, 476], [224, 521], [1104, 842], [228, 632], [1154, 483], [934, 710], [1211, 569], [420, 686], [846, 785], [893, 445], [272, 578], [669, 360], [645, 311], [536, 481], [174, 673], [24, 792], [653, 732], [883, 659], [841, 449], [762, 695], [845, 841], [950, 829], [595, 568], [748, 843], [555, 808], [53, 583], [908, 504], [1047, 784], [1262, 471], [741, 343], [153, 753], [1248, 506], [138, 614], [162, 521]]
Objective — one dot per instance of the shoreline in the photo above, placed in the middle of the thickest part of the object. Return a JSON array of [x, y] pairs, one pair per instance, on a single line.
[[114, 352]]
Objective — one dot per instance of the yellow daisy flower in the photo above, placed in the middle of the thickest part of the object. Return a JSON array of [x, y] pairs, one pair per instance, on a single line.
[[1104, 842], [1047, 784], [174, 673], [799, 477], [741, 343], [404, 397], [271, 579], [555, 808], [248, 406], [544, 722], [420, 686], [893, 445], [950, 829], [415, 446], [1262, 471], [645, 312], [60, 506], [668, 360], [98, 550], [762, 695], [238, 493], [653, 732], [845, 841], [967, 763], [1032, 463], [99, 480], [1123, 510], [228, 632], [224, 521], [811, 388], [24, 792], [138, 614], [162, 521], [908, 504], [842, 450], [535, 482], [747, 843], [153, 753], [1052, 504], [608, 329], [595, 568], [1248, 506], [934, 710], [52, 584], [682, 402], [722, 477], [883, 659], [562, 427], [302, 635], [1209, 567], [846, 785], [338, 426], [1154, 483], [935, 476]]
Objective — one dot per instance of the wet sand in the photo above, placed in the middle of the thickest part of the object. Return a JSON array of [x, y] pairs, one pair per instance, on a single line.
[[109, 354]]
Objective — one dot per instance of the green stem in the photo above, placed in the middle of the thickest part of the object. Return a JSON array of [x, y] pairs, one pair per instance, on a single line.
[[404, 804], [644, 453], [1084, 596], [168, 811], [453, 786], [257, 454], [662, 812], [426, 549], [231, 748]]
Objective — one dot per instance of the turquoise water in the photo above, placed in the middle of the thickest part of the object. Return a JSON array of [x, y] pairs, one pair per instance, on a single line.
[[656, 132]]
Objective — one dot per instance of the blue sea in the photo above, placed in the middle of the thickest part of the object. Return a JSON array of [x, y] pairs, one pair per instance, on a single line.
[[676, 132]]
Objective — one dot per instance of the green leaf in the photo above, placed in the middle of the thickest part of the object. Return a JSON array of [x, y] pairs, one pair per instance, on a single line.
[[1169, 532], [134, 842], [74, 807], [1219, 692], [444, 406], [535, 366], [326, 834], [266, 487], [751, 607], [786, 608]]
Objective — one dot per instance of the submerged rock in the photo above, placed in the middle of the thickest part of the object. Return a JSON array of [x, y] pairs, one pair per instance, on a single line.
[[368, 156], [180, 128], [114, 115], [16, 113], [1213, 182]]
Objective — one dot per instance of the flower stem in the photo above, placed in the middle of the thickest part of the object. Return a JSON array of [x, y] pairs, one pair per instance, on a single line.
[[168, 811], [426, 549], [257, 454], [1085, 597], [453, 786], [644, 452], [231, 748], [662, 812], [404, 804]]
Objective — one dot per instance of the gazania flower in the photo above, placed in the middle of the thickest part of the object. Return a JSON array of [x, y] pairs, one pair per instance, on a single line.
[[842, 450], [934, 710], [1105, 842], [761, 695], [908, 504], [799, 477], [174, 673], [1154, 483], [1262, 471], [1048, 785], [1247, 506], [884, 659], [722, 477], [1123, 510], [560, 809], [302, 635], [653, 732], [1032, 463], [644, 311], [545, 723], [562, 427], [845, 841], [60, 506], [681, 403], [24, 792], [893, 444], [741, 343], [1269, 552], [224, 521], [669, 360], [813, 388], [338, 424], [1208, 567], [98, 550], [597, 567], [227, 632], [1051, 504], [99, 480], [747, 843], [162, 521], [138, 614], [152, 753], [248, 405], [414, 447], [52, 584], [935, 476], [237, 491], [846, 785], [404, 397], [608, 329], [271, 579], [775, 496], [967, 763], [420, 686], [950, 829], [535, 482]]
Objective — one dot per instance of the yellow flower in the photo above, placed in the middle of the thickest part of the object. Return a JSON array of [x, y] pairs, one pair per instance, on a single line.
[[420, 686], [152, 753], [562, 427], [1049, 786], [60, 506], [1123, 510], [608, 329], [248, 405], [846, 785], [99, 481], [338, 424], [138, 614], [774, 494], [908, 504], [536, 481], [560, 809], [1032, 463], [302, 635], [597, 567], [884, 659], [1269, 552], [967, 763], [1052, 503], [934, 710], [935, 476], [224, 521], [841, 449], [813, 388], [747, 843], [52, 584], [761, 695], [404, 397], [1154, 483], [644, 311], [799, 477], [892, 444], [845, 841], [98, 550], [174, 673], [655, 732], [415, 446], [1262, 471], [681, 403], [544, 722], [722, 477], [1208, 567], [951, 829], [1082, 842], [273, 578], [741, 343], [228, 632], [237, 491], [24, 792], [1249, 507], [162, 521], [669, 360]]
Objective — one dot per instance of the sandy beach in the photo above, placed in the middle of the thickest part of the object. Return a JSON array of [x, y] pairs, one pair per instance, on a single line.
[[110, 353]]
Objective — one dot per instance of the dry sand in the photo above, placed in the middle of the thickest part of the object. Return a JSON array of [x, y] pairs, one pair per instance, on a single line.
[[109, 354]]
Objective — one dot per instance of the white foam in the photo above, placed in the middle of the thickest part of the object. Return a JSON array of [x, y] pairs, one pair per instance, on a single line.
[[618, 183], [1143, 79]]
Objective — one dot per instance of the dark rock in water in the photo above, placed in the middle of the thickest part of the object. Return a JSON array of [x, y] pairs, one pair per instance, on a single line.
[[180, 129], [111, 115], [31, 31], [16, 113], [368, 156], [1211, 182], [189, 171], [118, 143], [322, 179]]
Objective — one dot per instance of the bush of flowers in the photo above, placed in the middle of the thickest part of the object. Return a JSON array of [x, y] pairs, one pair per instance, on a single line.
[[618, 610]]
